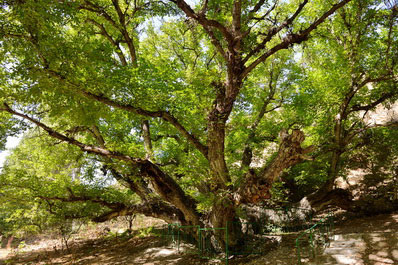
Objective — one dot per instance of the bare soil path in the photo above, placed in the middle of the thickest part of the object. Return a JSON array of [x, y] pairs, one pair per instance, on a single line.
[[361, 241]]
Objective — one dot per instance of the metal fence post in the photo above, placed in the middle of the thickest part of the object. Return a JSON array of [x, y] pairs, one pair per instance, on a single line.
[[226, 245], [178, 240], [298, 251], [312, 244]]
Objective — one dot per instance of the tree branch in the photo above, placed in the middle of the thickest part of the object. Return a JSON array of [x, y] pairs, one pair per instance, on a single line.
[[147, 139], [84, 147], [126, 35], [72, 198], [203, 20], [273, 31], [236, 16], [293, 38], [381, 99], [170, 191], [111, 40], [92, 7], [257, 7], [155, 208], [165, 115], [256, 187], [247, 152], [207, 24]]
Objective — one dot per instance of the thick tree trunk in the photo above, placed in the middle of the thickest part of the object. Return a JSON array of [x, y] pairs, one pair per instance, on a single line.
[[217, 162], [171, 192], [224, 214], [257, 186]]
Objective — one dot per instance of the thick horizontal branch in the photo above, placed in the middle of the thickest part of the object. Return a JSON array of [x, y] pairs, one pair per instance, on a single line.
[[374, 104], [164, 185], [84, 147], [72, 198], [155, 114], [156, 208], [165, 115], [356, 87]]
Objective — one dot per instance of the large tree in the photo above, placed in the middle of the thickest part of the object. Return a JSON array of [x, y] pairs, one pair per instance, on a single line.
[[168, 98]]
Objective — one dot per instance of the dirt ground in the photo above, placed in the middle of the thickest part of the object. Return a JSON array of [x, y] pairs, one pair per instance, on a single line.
[[360, 241], [357, 241]]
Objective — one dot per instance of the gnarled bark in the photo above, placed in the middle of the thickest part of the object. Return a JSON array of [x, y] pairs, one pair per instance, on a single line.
[[154, 208], [323, 199], [170, 191], [257, 186]]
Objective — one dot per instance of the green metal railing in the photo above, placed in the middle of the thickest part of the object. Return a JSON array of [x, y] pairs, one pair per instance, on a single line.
[[188, 234], [169, 234], [282, 220], [210, 248], [315, 236], [176, 235], [279, 221]]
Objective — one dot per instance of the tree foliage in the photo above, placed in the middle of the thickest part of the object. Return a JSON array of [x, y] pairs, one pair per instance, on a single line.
[[185, 110]]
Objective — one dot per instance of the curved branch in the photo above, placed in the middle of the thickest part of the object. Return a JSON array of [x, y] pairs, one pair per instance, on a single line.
[[165, 115], [293, 38], [257, 6], [110, 39], [84, 147], [257, 186], [72, 198], [121, 27], [273, 31], [156, 208], [203, 20], [126, 35], [164, 185], [207, 24], [372, 105], [170, 191]]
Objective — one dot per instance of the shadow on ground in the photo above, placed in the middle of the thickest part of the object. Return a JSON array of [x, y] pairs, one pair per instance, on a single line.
[[364, 241]]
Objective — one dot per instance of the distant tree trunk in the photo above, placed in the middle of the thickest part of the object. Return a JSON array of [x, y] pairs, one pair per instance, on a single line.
[[9, 242], [130, 220]]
